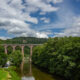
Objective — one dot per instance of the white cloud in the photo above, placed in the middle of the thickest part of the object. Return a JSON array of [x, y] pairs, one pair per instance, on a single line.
[[4, 38], [45, 20], [72, 31], [64, 19], [42, 13], [41, 35], [13, 9], [14, 15], [67, 21], [54, 1], [41, 5], [19, 28], [57, 1]]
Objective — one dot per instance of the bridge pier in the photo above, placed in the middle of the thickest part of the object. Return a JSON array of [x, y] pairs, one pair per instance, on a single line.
[[31, 47], [13, 48], [22, 48], [5, 49]]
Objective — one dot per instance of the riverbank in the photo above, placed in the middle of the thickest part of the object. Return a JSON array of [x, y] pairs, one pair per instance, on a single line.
[[9, 74]]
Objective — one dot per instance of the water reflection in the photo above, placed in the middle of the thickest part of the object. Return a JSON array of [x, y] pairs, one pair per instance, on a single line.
[[22, 67], [30, 72], [26, 69], [26, 74], [28, 78]]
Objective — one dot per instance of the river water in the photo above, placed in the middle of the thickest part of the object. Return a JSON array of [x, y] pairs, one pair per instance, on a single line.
[[28, 71]]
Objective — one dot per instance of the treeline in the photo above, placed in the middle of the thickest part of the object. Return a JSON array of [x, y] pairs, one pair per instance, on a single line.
[[60, 56], [25, 40]]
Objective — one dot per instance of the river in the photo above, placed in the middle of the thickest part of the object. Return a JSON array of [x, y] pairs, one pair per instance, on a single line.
[[28, 71]]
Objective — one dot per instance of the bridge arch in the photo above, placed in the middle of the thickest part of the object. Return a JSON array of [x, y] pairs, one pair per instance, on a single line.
[[26, 50], [9, 49]]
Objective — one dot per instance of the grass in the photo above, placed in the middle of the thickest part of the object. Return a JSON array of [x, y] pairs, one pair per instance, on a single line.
[[8, 74], [4, 75]]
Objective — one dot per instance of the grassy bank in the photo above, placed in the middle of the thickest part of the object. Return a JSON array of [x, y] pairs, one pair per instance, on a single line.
[[8, 74], [4, 75]]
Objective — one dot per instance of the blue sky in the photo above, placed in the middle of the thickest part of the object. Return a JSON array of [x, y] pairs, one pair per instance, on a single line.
[[39, 18]]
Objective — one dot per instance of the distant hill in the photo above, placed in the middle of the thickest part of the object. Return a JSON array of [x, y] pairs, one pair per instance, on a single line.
[[25, 40]]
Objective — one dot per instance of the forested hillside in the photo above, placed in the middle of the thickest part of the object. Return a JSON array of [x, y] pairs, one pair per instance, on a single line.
[[60, 56], [25, 40]]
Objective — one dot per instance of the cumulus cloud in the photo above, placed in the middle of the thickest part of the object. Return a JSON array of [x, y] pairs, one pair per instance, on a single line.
[[72, 31], [69, 23], [19, 28], [14, 9], [4, 38], [69, 32], [15, 15], [41, 5], [41, 35]]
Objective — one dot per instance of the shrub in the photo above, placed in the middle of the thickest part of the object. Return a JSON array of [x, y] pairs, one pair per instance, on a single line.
[[16, 58], [3, 59]]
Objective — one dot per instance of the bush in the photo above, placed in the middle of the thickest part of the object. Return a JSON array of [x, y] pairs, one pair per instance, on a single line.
[[16, 58], [3, 59]]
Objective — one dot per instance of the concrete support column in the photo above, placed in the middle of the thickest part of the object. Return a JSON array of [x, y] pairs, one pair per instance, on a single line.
[[22, 48], [5, 49], [14, 48], [31, 47]]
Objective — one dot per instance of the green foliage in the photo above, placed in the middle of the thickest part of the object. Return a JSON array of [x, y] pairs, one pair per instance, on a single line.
[[3, 74], [3, 59], [9, 74], [9, 49], [16, 58], [60, 56], [26, 40], [13, 74], [1, 49]]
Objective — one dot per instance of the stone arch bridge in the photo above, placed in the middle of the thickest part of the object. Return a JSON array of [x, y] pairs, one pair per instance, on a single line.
[[21, 46]]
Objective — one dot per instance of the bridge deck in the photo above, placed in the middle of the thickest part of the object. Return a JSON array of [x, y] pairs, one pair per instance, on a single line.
[[20, 44]]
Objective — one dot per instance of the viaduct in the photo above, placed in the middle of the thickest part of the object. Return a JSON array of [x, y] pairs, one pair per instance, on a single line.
[[21, 46]]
